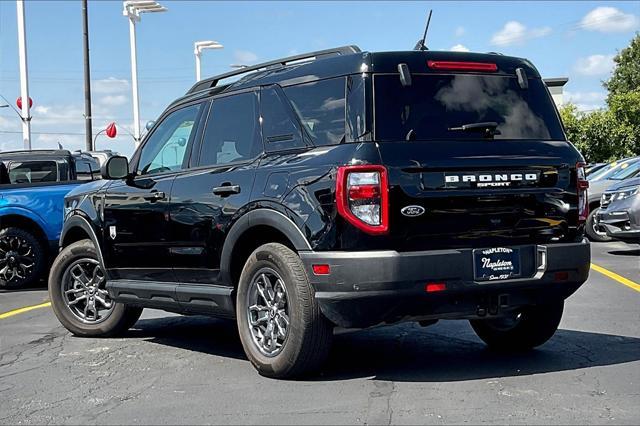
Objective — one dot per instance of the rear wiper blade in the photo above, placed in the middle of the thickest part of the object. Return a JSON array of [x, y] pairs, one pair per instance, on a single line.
[[489, 128]]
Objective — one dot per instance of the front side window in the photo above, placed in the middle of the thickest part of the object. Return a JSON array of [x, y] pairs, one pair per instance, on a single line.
[[166, 147], [321, 108], [86, 170], [436, 106], [33, 172], [233, 130]]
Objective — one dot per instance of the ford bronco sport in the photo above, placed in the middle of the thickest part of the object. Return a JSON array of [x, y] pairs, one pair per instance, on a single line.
[[338, 188]]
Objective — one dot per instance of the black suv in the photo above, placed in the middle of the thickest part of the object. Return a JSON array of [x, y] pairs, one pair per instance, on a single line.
[[338, 188]]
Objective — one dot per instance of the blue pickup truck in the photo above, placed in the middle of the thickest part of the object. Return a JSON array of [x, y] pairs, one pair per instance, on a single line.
[[33, 185]]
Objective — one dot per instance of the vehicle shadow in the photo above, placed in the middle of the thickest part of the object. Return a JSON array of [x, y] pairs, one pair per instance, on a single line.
[[630, 252], [207, 335], [447, 352], [37, 286]]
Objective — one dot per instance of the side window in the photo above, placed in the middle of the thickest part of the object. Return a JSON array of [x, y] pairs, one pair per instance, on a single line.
[[233, 130], [85, 170], [33, 171], [321, 108], [166, 147], [280, 130]]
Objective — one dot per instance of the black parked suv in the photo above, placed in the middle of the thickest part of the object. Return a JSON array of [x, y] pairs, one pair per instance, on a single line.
[[338, 188]]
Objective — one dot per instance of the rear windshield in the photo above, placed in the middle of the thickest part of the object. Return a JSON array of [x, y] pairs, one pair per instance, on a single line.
[[433, 104]]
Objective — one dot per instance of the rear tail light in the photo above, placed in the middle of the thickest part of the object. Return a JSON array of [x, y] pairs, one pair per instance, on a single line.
[[362, 197], [582, 184], [462, 66]]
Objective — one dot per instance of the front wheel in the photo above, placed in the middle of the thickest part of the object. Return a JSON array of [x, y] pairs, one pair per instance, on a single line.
[[79, 298], [522, 329], [282, 330], [595, 232]]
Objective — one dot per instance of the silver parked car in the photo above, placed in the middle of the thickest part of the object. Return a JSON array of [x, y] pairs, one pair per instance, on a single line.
[[619, 214], [621, 170]]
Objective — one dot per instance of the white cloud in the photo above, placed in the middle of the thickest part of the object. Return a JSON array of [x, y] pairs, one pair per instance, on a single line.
[[609, 19], [244, 57], [514, 32], [459, 48], [113, 100], [594, 65], [110, 85], [460, 31], [586, 101]]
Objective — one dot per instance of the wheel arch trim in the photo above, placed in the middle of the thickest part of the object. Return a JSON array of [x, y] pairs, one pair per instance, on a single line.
[[262, 216], [78, 221]]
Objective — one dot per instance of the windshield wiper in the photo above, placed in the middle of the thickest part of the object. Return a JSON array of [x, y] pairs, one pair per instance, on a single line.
[[489, 128]]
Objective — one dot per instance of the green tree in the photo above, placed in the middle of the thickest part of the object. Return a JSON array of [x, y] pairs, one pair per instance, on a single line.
[[599, 135], [626, 75], [614, 132]]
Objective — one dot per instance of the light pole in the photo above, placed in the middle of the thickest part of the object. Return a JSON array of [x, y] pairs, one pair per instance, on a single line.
[[24, 78], [132, 9], [198, 47]]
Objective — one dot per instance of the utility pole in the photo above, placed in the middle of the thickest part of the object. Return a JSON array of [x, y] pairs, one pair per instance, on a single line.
[[24, 79], [87, 78]]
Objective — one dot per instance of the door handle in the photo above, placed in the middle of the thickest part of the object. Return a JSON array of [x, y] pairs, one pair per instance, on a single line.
[[226, 189], [155, 196]]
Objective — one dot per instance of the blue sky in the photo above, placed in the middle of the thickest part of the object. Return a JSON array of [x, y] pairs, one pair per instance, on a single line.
[[572, 39]]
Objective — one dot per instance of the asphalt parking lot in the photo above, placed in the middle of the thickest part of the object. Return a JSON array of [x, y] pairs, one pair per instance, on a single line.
[[173, 369]]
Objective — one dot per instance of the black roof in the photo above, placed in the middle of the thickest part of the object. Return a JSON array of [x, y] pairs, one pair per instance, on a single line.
[[343, 61]]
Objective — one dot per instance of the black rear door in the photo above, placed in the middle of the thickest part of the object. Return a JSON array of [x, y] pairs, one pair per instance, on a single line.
[[206, 200], [136, 211], [508, 181]]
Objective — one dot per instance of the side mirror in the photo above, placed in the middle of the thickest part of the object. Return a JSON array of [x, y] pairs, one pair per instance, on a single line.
[[116, 167], [149, 125]]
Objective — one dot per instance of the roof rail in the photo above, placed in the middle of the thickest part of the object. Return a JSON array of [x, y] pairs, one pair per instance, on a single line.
[[211, 82]]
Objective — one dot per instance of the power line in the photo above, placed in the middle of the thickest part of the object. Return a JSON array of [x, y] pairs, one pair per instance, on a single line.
[[44, 133]]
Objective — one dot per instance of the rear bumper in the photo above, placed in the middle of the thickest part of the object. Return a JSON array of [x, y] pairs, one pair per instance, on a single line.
[[372, 287]]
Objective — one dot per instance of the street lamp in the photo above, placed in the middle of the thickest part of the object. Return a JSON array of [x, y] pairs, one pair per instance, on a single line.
[[132, 10], [198, 47]]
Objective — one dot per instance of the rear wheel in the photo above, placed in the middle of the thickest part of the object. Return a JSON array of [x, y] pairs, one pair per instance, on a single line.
[[79, 297], [282, 330], [522, 329], [22, 258], [594, 232]]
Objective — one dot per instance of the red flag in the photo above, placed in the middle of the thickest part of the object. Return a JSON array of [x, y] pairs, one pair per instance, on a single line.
[[19, 102], [112, 131]]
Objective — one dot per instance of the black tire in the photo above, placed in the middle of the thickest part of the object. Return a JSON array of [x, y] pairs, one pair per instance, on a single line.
[[597, 236], [309, 333], [121, 317], [534, 326], [20, 246]]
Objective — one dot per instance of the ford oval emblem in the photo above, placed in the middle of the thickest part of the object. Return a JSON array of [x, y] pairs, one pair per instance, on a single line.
[[412, 211]]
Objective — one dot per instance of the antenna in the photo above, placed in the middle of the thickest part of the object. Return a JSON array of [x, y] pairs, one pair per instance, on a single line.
[[421, 44]]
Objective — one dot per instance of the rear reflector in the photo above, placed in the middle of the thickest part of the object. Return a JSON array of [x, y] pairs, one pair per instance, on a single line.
[[434, 287], [462, 66], [561, 276], [321, 269]]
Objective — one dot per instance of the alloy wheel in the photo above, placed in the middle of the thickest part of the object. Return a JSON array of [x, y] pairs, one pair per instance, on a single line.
[[268, 312], [17, 258], [84, 293]]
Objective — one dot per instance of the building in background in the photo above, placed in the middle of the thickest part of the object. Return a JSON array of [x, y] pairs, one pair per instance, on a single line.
[[556, 88]]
